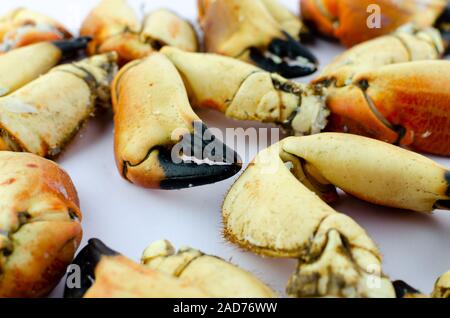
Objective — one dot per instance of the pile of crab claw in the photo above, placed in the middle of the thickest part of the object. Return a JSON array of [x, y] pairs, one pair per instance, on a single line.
[[359, 126]]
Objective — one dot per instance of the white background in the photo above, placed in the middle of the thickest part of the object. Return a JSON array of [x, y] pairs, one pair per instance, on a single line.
[[415, 247]]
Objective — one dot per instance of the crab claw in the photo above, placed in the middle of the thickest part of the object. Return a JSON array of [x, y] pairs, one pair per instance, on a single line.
[[160, 142], [37, 118], [404, 180], [347, 20], [217, 277], [102, 273], [289, 58], [403, 290], [245, 92], [271, 211], [69, 47], [40, 228], [22, 27], [394, 95], [442, 287], [259, 31]]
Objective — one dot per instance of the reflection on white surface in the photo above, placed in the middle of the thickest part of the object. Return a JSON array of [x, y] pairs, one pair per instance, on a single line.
[[415, 247]]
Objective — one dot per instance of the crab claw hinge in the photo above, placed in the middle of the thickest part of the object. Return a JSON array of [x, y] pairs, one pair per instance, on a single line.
[[160, 141]]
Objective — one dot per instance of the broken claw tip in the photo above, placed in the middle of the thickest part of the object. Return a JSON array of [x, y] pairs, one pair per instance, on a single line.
[[287, 57], [85, 263], [73, 45], [203, 160]]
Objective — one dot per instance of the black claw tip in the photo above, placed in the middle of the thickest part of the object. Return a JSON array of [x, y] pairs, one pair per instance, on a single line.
[[86, 261], [199, 159], [402, 289], [71, 46], [287, 57]]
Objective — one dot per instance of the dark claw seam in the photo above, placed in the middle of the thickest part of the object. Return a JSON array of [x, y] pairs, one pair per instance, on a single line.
[[87, 260], [69, 47], [297, 59], [192, 170], [402, 289]]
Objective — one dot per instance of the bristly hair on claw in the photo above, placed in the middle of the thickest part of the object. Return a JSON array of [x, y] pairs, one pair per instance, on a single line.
[[87, 260], [287, 57]]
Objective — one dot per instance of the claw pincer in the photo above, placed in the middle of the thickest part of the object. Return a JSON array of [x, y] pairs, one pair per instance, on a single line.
[[114, 26], [277, 208], [159, 141], [259, 31], [349, 20]]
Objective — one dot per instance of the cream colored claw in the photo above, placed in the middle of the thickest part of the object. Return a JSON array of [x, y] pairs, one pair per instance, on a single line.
[[270, 212]]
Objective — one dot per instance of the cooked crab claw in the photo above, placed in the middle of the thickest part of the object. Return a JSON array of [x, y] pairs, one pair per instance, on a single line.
[[277, 208], [287, 57], [260, 31], [214, 275], [87, 261], [347, 20], [395, 95], [441, 289], [99, 272], [68, 47], [159, 141], [22, 27], [443, 24], [37, 118]]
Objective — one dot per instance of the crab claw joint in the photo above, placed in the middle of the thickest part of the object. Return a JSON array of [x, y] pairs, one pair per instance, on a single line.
[[159, 141]]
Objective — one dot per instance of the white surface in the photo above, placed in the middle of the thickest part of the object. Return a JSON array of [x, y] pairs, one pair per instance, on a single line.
[[415, 247]]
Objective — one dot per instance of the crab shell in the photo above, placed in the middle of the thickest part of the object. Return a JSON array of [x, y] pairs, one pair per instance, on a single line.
[[245, 92], [119, 277], [23, 27], [398, 95], [39, 225], [37, 118], [232, 27], [347, 20], [114, 26], [219, 278]]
